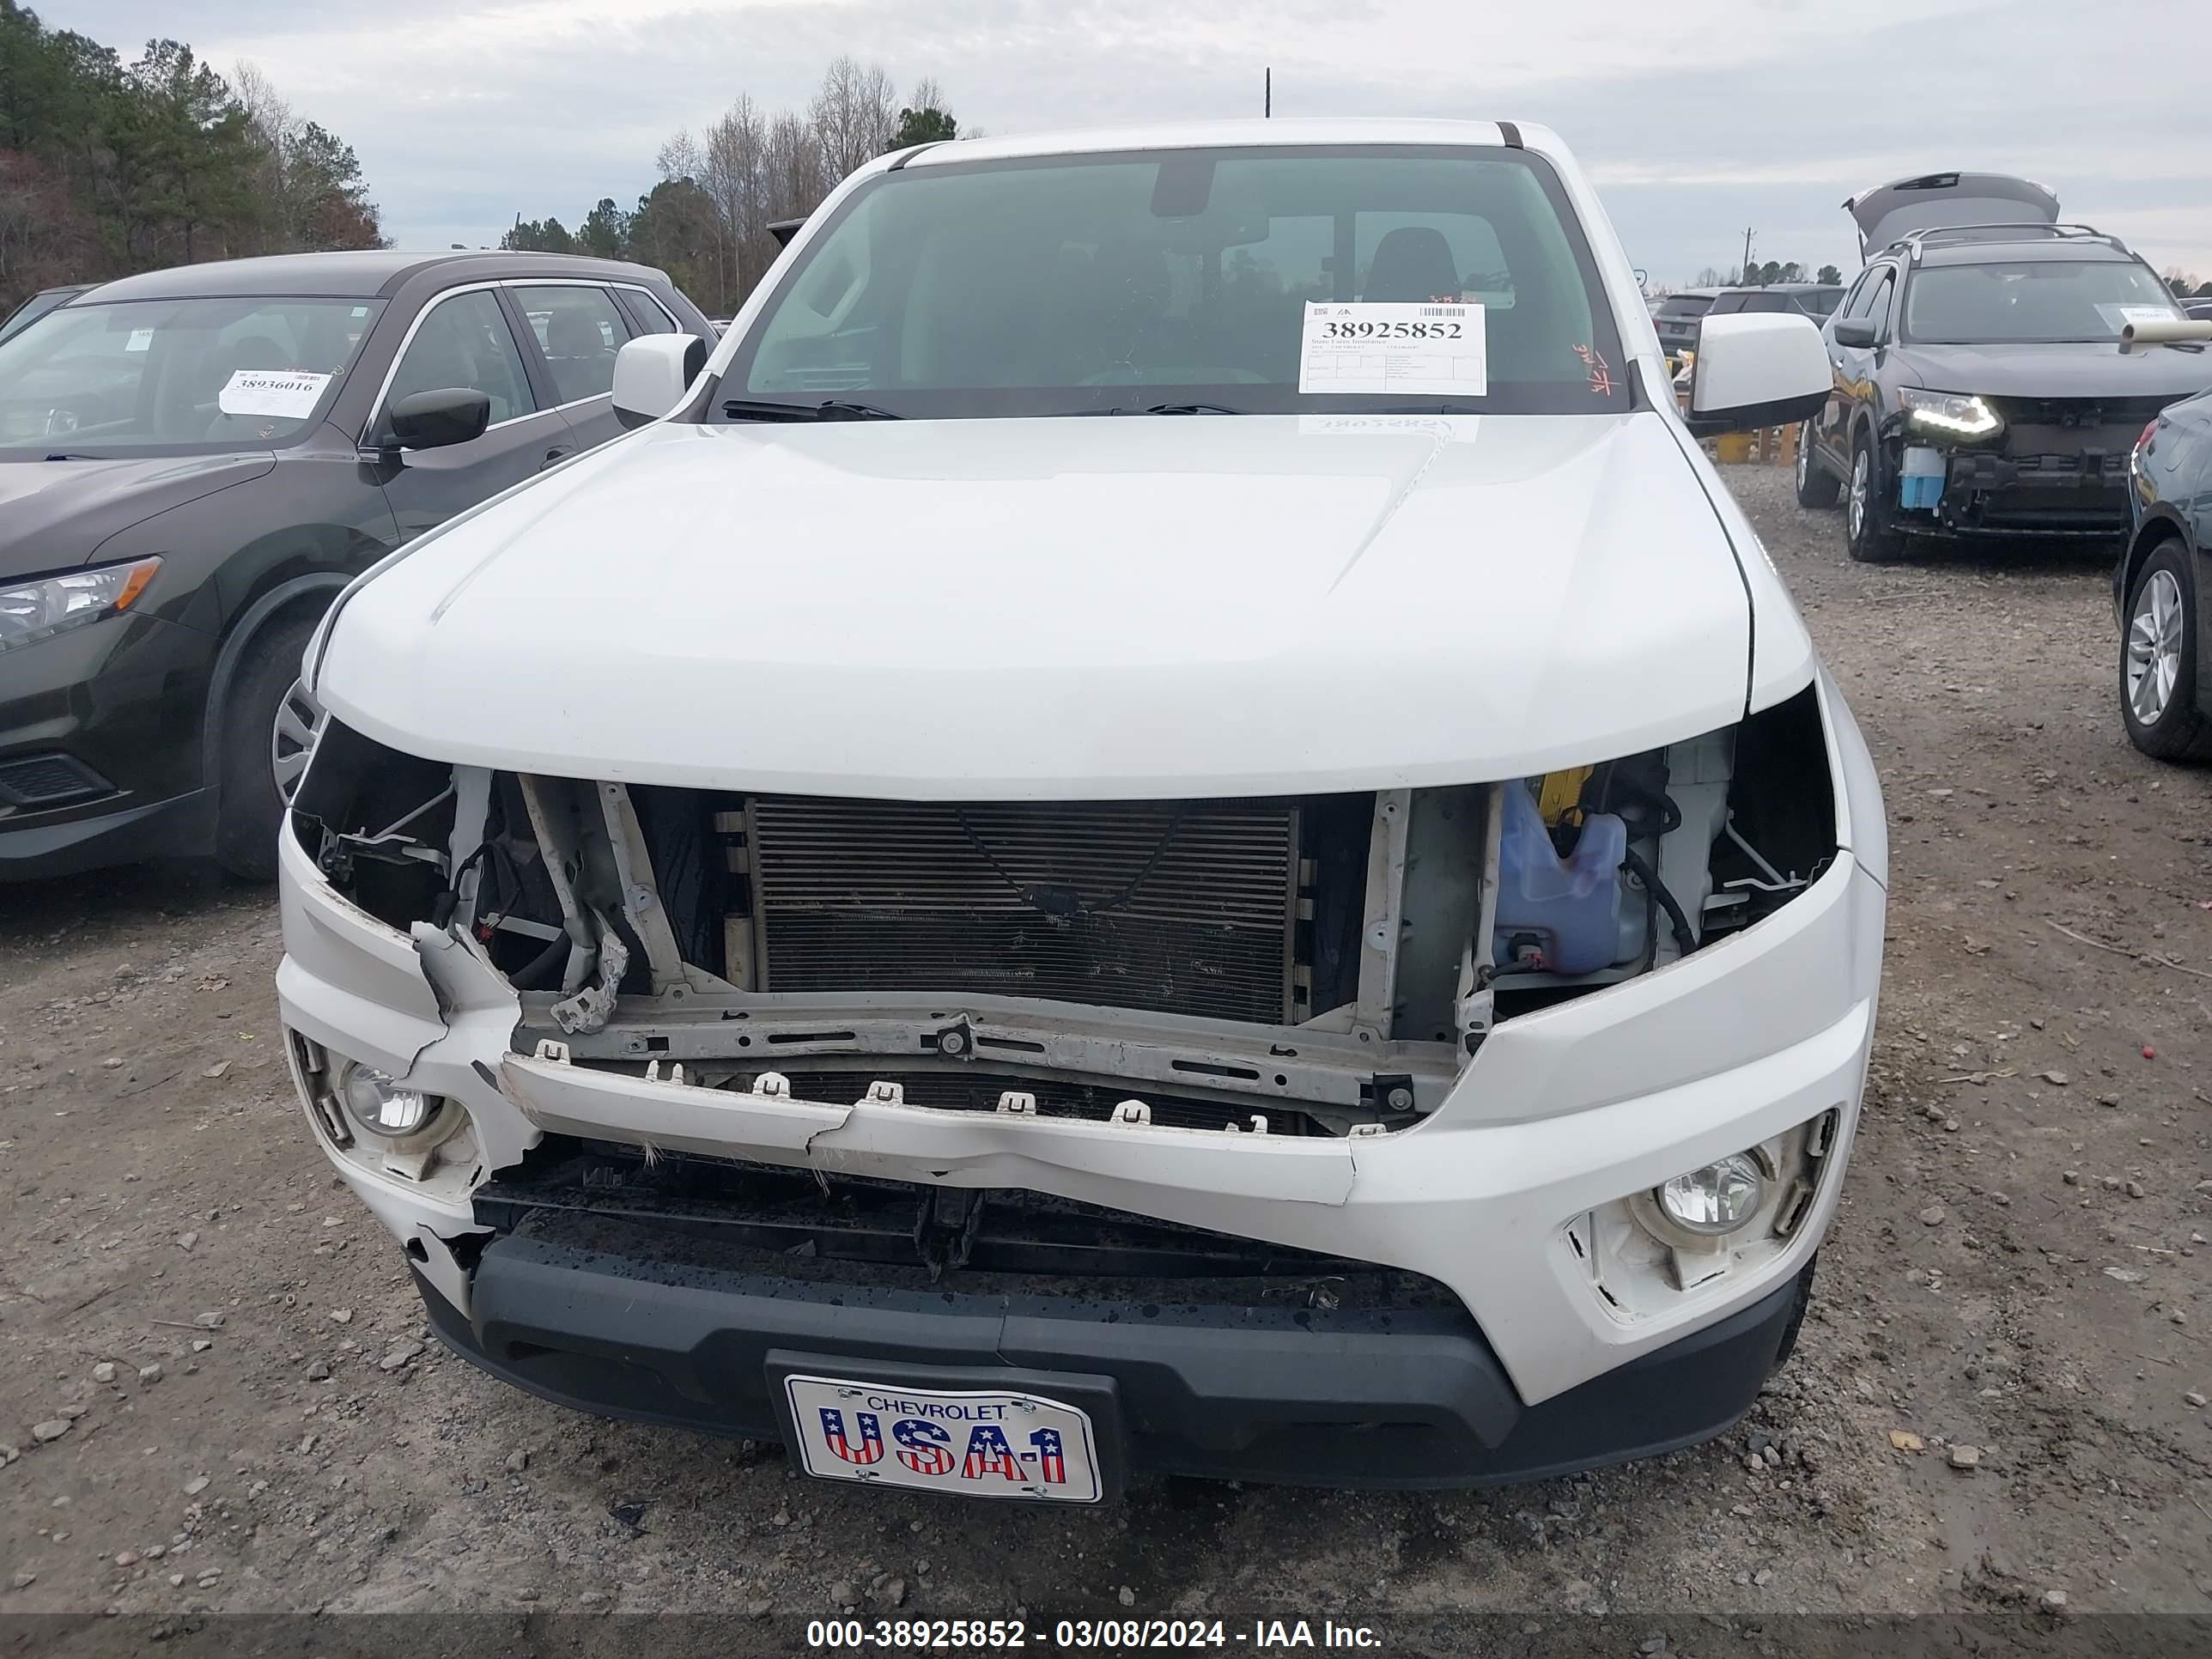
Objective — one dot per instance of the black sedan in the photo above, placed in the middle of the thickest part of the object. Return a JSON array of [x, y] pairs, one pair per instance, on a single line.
[[194, 462], [2162, 584]]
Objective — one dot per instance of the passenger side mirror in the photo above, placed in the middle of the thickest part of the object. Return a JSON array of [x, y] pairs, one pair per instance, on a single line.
[[1856, 333], [653, 372], [1757, 369], [434, 420]]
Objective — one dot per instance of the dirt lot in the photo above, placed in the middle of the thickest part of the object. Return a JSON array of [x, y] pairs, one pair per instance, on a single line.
[[2019, 1268]]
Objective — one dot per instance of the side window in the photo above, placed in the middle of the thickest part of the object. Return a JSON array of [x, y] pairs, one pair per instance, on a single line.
[[580, 329], [648, 312], [1872, 286], [1877, 305], [463, 341]]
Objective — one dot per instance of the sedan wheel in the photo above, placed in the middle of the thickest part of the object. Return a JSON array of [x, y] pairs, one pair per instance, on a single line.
[[1816, 485], [2153, 665], [1868, 536], [2158, 660], [292, 739]]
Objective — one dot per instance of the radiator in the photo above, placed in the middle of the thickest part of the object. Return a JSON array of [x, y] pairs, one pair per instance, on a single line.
[[1181, 907]]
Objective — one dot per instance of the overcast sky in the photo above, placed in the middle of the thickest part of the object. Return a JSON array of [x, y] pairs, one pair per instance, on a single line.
[[1697, 117]]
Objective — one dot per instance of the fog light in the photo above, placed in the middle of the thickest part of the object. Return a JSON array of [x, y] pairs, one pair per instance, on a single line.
[[382, 1104], [1717, 1198]]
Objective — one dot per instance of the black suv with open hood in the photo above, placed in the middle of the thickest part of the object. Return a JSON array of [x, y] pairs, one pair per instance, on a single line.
[[1981, 389]]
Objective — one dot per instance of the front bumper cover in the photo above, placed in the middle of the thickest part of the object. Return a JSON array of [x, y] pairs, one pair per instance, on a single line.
[[608, 1316]]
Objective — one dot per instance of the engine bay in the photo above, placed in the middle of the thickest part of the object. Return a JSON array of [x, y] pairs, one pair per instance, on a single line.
[[1311, 965]]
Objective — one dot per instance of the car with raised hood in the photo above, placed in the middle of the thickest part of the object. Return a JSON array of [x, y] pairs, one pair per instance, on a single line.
[[1130, 832], [1981, 392], [194, 462]]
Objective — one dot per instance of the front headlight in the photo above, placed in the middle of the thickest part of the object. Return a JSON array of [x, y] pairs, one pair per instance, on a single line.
[[34, 611], [1951, 414]]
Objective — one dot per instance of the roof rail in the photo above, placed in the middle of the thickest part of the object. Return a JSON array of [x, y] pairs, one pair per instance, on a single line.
[[2014, 231]]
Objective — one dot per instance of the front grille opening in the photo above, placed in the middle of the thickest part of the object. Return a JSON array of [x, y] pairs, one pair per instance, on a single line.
[[1189, 906], [802, 1223]]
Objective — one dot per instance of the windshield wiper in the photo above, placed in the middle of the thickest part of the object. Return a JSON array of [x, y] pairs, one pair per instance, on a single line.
[[830, 409], [1166, 409]]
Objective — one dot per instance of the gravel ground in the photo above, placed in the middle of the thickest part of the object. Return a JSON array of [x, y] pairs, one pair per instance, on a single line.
[[222, 1396]]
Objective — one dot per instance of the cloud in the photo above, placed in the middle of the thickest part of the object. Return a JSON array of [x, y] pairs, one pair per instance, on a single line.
[[1697, 117]]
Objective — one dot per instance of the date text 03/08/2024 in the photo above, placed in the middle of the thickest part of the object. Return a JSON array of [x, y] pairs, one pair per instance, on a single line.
[[1258, 1636]]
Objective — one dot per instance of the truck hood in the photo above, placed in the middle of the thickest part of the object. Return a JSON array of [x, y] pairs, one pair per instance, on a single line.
[[1079, 608], [2074, 370], [54, 515]]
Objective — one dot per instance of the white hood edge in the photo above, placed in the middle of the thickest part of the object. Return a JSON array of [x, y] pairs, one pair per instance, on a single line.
[[1075, 609]]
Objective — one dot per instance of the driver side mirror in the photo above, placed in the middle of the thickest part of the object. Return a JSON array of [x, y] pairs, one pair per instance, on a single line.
[[435, 419], [1757, 369], [653, 372], [1857, 332]]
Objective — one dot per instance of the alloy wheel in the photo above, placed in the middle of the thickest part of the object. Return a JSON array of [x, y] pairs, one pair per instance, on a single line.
[[292, 739], [2154, 647], [1861, 468]]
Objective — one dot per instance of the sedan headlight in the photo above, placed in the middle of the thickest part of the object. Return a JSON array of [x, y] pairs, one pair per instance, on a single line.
[[34, 611], [1950, 414]]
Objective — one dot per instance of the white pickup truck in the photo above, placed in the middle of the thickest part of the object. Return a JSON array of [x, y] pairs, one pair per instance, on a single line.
[[1160, 818]]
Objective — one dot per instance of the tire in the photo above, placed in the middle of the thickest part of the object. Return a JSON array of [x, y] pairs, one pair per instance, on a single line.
[[2158, 660], [249, 807], [1817, 486], [1869, 535]]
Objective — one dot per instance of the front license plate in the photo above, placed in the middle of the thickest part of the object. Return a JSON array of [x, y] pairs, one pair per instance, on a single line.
[[985, 1443]]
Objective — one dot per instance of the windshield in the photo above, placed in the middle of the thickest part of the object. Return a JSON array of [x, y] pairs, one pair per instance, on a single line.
[[2034, 301], [1454, 279], [175, 376], [1686, 305]]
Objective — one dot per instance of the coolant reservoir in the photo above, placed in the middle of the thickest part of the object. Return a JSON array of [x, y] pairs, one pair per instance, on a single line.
[[1571, 905]]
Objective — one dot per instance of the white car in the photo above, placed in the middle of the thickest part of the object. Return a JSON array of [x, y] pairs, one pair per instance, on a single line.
[[1161, 819]]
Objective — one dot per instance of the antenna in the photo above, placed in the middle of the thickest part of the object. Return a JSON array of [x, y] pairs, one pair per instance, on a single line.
[[1267, 98]]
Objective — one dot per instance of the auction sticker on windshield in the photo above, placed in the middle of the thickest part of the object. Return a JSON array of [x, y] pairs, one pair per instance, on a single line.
[[1352, 348], [985, 1444], [289, 394]]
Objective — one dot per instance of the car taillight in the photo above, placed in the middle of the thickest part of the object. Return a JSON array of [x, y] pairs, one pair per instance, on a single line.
[[2143, 441]]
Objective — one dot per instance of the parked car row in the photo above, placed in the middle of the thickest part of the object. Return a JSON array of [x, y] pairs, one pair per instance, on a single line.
[[195, 461], [2002, 378]]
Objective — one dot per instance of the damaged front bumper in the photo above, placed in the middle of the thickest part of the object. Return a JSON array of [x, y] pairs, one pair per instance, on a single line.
[[2058, 484], [1569, 1340]]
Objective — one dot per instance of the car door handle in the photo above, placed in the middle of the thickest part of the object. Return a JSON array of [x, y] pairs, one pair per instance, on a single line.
[[552, 455]]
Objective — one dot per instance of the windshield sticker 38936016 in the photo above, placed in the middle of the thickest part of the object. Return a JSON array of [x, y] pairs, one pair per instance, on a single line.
[[289, 394], [1366, 348]]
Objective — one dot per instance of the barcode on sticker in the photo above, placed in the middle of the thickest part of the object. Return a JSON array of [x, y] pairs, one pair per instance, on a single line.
[[1443, 311]]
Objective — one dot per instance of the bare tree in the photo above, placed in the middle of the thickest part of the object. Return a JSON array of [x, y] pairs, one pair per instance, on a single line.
[[733, 178], [796, 182], [270, 118], [855, 115]]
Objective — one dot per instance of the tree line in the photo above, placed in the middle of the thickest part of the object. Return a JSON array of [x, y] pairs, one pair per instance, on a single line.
[[1767, 275], [705, 222], [108, 167]]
